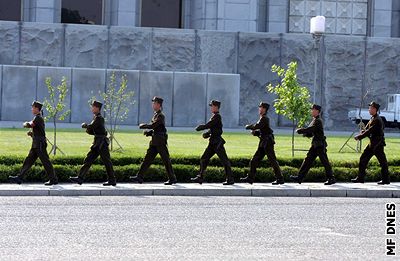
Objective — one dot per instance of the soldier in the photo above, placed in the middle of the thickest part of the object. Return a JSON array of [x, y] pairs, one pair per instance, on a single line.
[[158, 144], [38, 149], [262, 130], [374, 131], [318, 147], [215, 145], [99, 147]]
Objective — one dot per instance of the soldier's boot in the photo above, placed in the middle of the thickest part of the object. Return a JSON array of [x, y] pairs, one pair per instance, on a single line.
[[247, 179], [358, 179], [137, 178], [251, 176], [330, 181], [278, 181], [384, 181], [110, 183], [198, 179], [229, 181], [171, 179], [297, 179], [15, 179], [76, 179], [51, 182]]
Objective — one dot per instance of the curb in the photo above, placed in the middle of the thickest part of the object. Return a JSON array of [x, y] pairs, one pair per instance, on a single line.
[[368, 190]]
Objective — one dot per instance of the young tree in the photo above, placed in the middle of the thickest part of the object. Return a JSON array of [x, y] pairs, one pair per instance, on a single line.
[[117, 101], [293, 100], [55, 107]]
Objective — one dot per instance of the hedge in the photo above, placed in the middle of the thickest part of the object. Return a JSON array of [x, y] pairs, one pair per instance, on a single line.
[[156, 173]]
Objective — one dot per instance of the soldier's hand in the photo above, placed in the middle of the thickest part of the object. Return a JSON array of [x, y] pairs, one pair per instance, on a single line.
[[299, 131], [84, 125], [206, 135], [248, 127], [27, 125], [357, 137], [256, 133], [29, 133], [142, 126]]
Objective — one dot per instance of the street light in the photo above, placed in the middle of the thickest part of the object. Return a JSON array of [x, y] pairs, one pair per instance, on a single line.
[[317, 29]]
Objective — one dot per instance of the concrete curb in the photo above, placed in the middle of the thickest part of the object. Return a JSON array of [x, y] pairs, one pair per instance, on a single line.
[[368, 190]]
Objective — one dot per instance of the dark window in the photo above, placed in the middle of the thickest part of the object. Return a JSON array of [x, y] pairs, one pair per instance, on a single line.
[[10, 10], [162, 13], [82, 11]]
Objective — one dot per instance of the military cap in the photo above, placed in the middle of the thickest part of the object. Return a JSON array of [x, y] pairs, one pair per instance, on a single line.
[[264, 105], [97, 104], [375, 105], [37, 104], [215, 103], [158, 100], [316, 107]]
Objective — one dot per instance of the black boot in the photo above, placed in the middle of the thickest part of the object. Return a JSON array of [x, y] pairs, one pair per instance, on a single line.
[[384, 182], [330, 181], [137, 179], [15, 179], [51, 182], [76, 179], [358, 180], [247, 180], [198, 179], [171, 181], [278, 182], [296, 179], [110, 183], [229, 181]]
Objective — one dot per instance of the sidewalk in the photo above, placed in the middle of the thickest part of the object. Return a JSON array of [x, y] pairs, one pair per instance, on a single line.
[[367, 190]]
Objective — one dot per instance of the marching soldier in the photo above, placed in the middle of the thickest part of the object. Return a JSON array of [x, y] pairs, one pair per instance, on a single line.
[[215, 145], [262, 130], [38, 149], [158, 144], [318, 148], [98, 148], [374, 131]]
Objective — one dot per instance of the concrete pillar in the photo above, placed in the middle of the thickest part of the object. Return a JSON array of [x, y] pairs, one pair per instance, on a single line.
[[381, 25], [278, 16], [44, 11], [122, 12]]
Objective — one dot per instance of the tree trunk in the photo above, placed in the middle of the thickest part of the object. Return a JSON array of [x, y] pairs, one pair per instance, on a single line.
[[293, 130], [55, 137]]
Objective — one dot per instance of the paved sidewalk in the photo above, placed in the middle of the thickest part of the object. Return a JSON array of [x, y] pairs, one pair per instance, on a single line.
[[367, 190]]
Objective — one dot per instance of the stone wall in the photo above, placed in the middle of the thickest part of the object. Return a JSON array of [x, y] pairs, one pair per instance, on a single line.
[[185, 94], [347, 67]]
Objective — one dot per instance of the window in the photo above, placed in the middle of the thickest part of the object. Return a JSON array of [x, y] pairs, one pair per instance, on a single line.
[[10, 10], [82, 11], [162, 13]]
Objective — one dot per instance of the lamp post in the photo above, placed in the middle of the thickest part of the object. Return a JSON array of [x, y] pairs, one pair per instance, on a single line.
[[317, 29]]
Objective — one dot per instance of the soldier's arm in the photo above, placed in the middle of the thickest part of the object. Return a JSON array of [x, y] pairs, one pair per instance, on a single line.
[[93, 125], [259, 125], [160, 119], [310, 130], [212, 122], [374, 125]]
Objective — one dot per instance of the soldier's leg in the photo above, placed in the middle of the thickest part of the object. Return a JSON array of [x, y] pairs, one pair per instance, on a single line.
[[255, 162], [274, 163], [323, 157], [307, 162], [87, 162], [147, 161], [364, 159], [48, 167], [164, 154], [380, 155], [106, 158], [205, 159], [28, 162], [221, 152]]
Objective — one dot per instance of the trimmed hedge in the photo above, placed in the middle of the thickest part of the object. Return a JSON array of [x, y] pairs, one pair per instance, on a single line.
[[156, 173], [188, 160]]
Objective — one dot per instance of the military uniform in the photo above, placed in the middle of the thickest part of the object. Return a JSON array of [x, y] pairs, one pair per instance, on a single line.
[[374, 130], [38, 149], [318, 149], [99, 148], [263, 130], [158, 145], [215, 146]]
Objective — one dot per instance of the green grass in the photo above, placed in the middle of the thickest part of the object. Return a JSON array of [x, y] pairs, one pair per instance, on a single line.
[[15, 142]]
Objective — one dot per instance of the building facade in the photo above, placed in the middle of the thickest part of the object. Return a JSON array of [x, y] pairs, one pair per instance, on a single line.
[[379, 18]]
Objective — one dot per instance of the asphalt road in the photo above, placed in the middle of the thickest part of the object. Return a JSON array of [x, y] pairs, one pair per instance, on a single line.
[[192, 228]]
